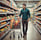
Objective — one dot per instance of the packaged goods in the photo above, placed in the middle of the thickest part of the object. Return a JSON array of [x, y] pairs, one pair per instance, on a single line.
[[5, 18], [2, 10], [2, 23]]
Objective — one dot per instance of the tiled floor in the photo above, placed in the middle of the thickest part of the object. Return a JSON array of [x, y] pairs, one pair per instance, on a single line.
[[32, 34]]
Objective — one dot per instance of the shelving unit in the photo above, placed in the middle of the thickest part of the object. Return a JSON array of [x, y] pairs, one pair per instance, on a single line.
[[5, 34], [7, 9], [4, 25], [37, 5], [5, 20], [39, 22], [7, 4], [37, 17]]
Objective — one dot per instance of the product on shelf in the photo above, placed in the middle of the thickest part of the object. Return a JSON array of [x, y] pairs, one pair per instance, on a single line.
[[5, 14], [2, 18], [2, 23], [12, 22], [5, 18], [5, 27], [1, 34], [37, 16], [8, 17], [8, 26], [8, 2], [2, 10], [3, 30], [16, 22]]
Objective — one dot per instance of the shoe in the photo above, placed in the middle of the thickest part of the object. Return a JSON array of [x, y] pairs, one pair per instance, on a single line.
[[23, 36]]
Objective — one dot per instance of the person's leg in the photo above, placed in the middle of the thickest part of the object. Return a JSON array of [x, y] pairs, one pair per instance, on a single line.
[[26, 26], [23, 26]]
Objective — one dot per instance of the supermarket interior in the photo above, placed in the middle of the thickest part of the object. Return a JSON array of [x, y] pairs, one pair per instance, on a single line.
[[11, 27]]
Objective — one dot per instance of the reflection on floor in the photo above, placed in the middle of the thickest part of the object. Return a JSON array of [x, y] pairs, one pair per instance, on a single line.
[[32, 34]]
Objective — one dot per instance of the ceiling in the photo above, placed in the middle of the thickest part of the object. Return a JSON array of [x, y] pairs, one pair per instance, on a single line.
[[29, 3]]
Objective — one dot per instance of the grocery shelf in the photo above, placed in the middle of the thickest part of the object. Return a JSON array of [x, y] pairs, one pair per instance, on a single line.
[[8, 19], [37, 13], [10, 10], [10, 13], [38, 9], [39, 22], [38, 29], [5, 34], [6, 9], [4, 25], [4, 3], [38, 26], [7, 13], [8, 6], [38, 18], [3, 13], [4, 30], [3, 8], [5, 20]]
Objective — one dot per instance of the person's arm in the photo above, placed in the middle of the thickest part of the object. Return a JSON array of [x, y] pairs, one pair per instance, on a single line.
[[28, 15], [20, 13]]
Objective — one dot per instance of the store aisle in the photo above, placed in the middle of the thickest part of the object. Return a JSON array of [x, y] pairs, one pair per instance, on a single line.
[[32, 33]]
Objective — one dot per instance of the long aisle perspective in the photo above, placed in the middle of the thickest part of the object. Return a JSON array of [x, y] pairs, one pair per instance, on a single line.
[[32, 33], [16, 16]]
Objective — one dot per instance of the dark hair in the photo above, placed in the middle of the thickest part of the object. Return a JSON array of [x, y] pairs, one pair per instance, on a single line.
[[24, 4]]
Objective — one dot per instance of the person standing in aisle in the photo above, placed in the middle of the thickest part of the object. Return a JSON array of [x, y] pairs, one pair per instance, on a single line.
[[25, 18]]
